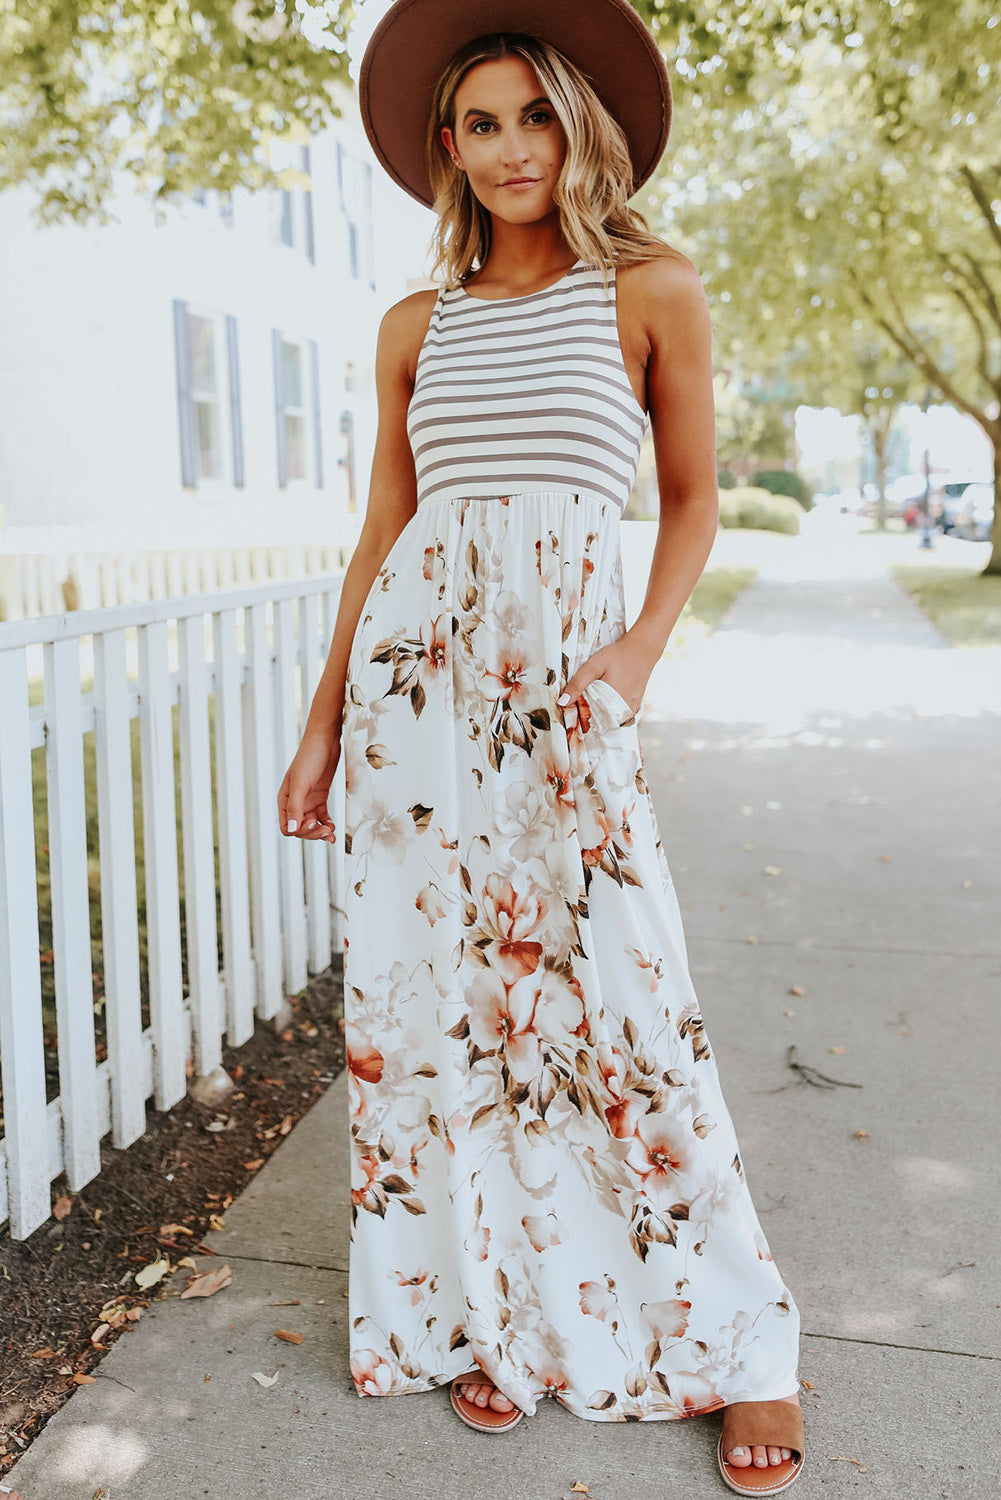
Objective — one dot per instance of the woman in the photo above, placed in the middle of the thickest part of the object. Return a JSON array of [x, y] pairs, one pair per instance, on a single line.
[[547, 1192]]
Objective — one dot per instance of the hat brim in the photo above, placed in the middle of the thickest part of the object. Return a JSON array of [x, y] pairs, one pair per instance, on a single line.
[[410, 46]]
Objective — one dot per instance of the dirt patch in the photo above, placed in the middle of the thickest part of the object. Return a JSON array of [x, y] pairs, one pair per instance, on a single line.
[[54, 1285]]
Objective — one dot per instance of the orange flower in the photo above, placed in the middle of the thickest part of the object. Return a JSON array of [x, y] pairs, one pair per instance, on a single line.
[[365, 1061]]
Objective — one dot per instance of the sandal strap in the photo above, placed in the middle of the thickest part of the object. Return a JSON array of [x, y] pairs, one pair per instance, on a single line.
[[775, 1424]]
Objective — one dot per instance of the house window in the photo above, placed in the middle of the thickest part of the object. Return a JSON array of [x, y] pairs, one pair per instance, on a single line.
[[208, 396], [294, 412], [354, 187], [293, 206], [298, 429]]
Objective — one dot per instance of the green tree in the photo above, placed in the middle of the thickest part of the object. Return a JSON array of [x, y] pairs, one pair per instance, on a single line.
[[850, 200], [170, 95]]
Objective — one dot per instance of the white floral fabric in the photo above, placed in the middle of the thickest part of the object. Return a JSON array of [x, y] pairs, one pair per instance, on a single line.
[[545, 1182]]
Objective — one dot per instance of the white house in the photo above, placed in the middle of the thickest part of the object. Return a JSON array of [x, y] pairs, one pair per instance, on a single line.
[[203, 374]]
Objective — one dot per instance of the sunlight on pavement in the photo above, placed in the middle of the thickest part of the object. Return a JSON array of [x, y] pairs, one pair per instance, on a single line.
[[824, 644]]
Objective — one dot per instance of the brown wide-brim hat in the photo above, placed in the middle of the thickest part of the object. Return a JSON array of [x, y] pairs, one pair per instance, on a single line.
[[410, 46]]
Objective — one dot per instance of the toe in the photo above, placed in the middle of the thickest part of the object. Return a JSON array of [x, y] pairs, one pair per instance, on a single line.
[[499, 1401], [774, 1456], [739, 1457], [760, 1456]]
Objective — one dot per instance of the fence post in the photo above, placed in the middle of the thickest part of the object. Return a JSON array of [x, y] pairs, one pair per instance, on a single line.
[[70, 892], [21, 1045]]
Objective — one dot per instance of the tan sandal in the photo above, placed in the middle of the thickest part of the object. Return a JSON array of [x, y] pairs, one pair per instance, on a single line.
[[483, 1418], [772, 1424]]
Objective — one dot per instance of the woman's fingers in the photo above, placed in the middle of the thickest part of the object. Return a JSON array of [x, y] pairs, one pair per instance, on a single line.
[[296, 819], [575, 686]]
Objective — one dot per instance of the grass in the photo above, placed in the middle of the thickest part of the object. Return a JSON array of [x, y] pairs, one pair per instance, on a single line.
[[963, 603], [712, 596]]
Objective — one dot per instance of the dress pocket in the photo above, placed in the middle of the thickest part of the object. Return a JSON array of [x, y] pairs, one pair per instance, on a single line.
[[607, 701]]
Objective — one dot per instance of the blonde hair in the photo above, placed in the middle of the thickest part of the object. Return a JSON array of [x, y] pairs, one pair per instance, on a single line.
[[591, 191]]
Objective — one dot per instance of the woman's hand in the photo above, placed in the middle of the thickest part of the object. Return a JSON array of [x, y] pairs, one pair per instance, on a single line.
[[622, 664], [302, 797]]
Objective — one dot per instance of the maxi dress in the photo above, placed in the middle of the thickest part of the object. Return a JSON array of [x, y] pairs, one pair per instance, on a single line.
[[545, 1179]]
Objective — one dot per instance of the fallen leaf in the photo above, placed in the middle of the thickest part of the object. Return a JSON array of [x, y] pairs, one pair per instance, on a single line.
[[751, 938], [788, 1012], [151, 1274], [861, 1135], [772, 870], [290, 1338], [207, 1283], [43, 1354], [80, 1379], [580, 1489], [838, 1051], [98, 1334], [252, 1166], [294, 1302], [62, 1206], [844, 1459], [264, 1380], [168, 1229], [796, 989], [884, 859]]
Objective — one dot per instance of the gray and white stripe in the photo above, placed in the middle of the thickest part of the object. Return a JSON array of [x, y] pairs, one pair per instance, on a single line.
[[525, 393]]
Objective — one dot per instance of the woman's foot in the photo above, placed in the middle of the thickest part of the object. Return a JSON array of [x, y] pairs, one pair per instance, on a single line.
[[483, 1393], [759, 1456]]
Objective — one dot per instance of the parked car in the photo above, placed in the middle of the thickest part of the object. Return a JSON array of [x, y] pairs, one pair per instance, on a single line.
[[973, 516]]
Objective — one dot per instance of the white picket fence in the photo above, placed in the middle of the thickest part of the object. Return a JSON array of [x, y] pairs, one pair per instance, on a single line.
[[256, 653], [47, 569]]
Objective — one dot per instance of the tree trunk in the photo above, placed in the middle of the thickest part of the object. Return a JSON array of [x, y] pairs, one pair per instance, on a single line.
[[879, 441], [994, 562]]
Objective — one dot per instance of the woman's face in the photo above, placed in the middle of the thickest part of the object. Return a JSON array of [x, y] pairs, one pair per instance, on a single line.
[[505, 130]]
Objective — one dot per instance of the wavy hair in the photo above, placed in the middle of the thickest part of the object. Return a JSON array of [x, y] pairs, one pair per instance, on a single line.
[[591, 191]]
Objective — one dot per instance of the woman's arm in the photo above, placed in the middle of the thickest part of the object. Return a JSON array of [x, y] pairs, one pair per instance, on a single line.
[[673, 311], [392, 500], [392, 497]]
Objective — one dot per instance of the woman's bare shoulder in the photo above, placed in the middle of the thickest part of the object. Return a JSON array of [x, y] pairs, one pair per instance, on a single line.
[[664, 276], [403, 327]]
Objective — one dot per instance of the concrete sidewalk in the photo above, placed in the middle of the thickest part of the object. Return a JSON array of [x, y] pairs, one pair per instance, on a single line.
[[826, 776]]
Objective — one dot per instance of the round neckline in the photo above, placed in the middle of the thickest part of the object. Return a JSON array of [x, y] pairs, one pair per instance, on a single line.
[[525, 296]]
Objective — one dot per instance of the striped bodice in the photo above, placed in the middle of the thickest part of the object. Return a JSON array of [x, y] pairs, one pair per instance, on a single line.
[[525, 393]]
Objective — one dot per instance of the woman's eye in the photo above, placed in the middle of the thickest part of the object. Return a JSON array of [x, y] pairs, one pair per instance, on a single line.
[[535, 115]]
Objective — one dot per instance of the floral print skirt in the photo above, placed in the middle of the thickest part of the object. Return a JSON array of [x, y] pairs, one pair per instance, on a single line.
[[545, 1179]]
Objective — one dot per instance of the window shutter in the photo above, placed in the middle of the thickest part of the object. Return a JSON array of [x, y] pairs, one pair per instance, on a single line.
[[340, 178], [369, 232], [235, 415], [276, 346], [307, 206], [314, 364], [185, 405]]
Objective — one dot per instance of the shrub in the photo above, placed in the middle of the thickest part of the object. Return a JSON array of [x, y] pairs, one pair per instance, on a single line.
[[759, 510], [785, 482], [726, 479]]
